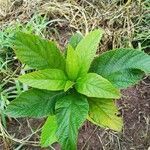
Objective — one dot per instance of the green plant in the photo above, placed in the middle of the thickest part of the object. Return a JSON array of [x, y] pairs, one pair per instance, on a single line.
[[37, 25], [70, 89]]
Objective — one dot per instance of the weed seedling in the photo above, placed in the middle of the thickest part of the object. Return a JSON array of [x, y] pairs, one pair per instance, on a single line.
[[68, 89]]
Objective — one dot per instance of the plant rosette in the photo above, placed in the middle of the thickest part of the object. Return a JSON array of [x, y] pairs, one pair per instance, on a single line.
[[72, 87]]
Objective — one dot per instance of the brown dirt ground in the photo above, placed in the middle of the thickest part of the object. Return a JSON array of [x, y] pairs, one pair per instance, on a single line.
[[135, 109]]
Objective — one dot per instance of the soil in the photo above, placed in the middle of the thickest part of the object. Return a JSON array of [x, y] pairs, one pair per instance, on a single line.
[[135, 109]]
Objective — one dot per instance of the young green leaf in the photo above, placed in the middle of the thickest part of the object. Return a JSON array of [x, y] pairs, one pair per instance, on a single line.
[[72, 66], [37, 53], [33, 103], [48, 79], [122, 67], [48, 135], [94, 85], [103, 112], [75, 39], [86, 50], [71, 112], [69, 84]]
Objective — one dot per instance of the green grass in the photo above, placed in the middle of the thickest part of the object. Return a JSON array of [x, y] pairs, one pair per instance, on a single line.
[[142, 27]]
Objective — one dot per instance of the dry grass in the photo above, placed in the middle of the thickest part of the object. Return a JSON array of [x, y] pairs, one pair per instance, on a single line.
[[119, 20]]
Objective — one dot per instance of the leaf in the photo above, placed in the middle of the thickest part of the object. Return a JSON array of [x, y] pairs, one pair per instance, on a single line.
[[86, 50], [37, 53], [93, 85], [103, 112], [125, 78], [33, 103], [71, 112], [75, 39], [122, 67], [69, 84], [48, 79], [48, 135], [72, 66]]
